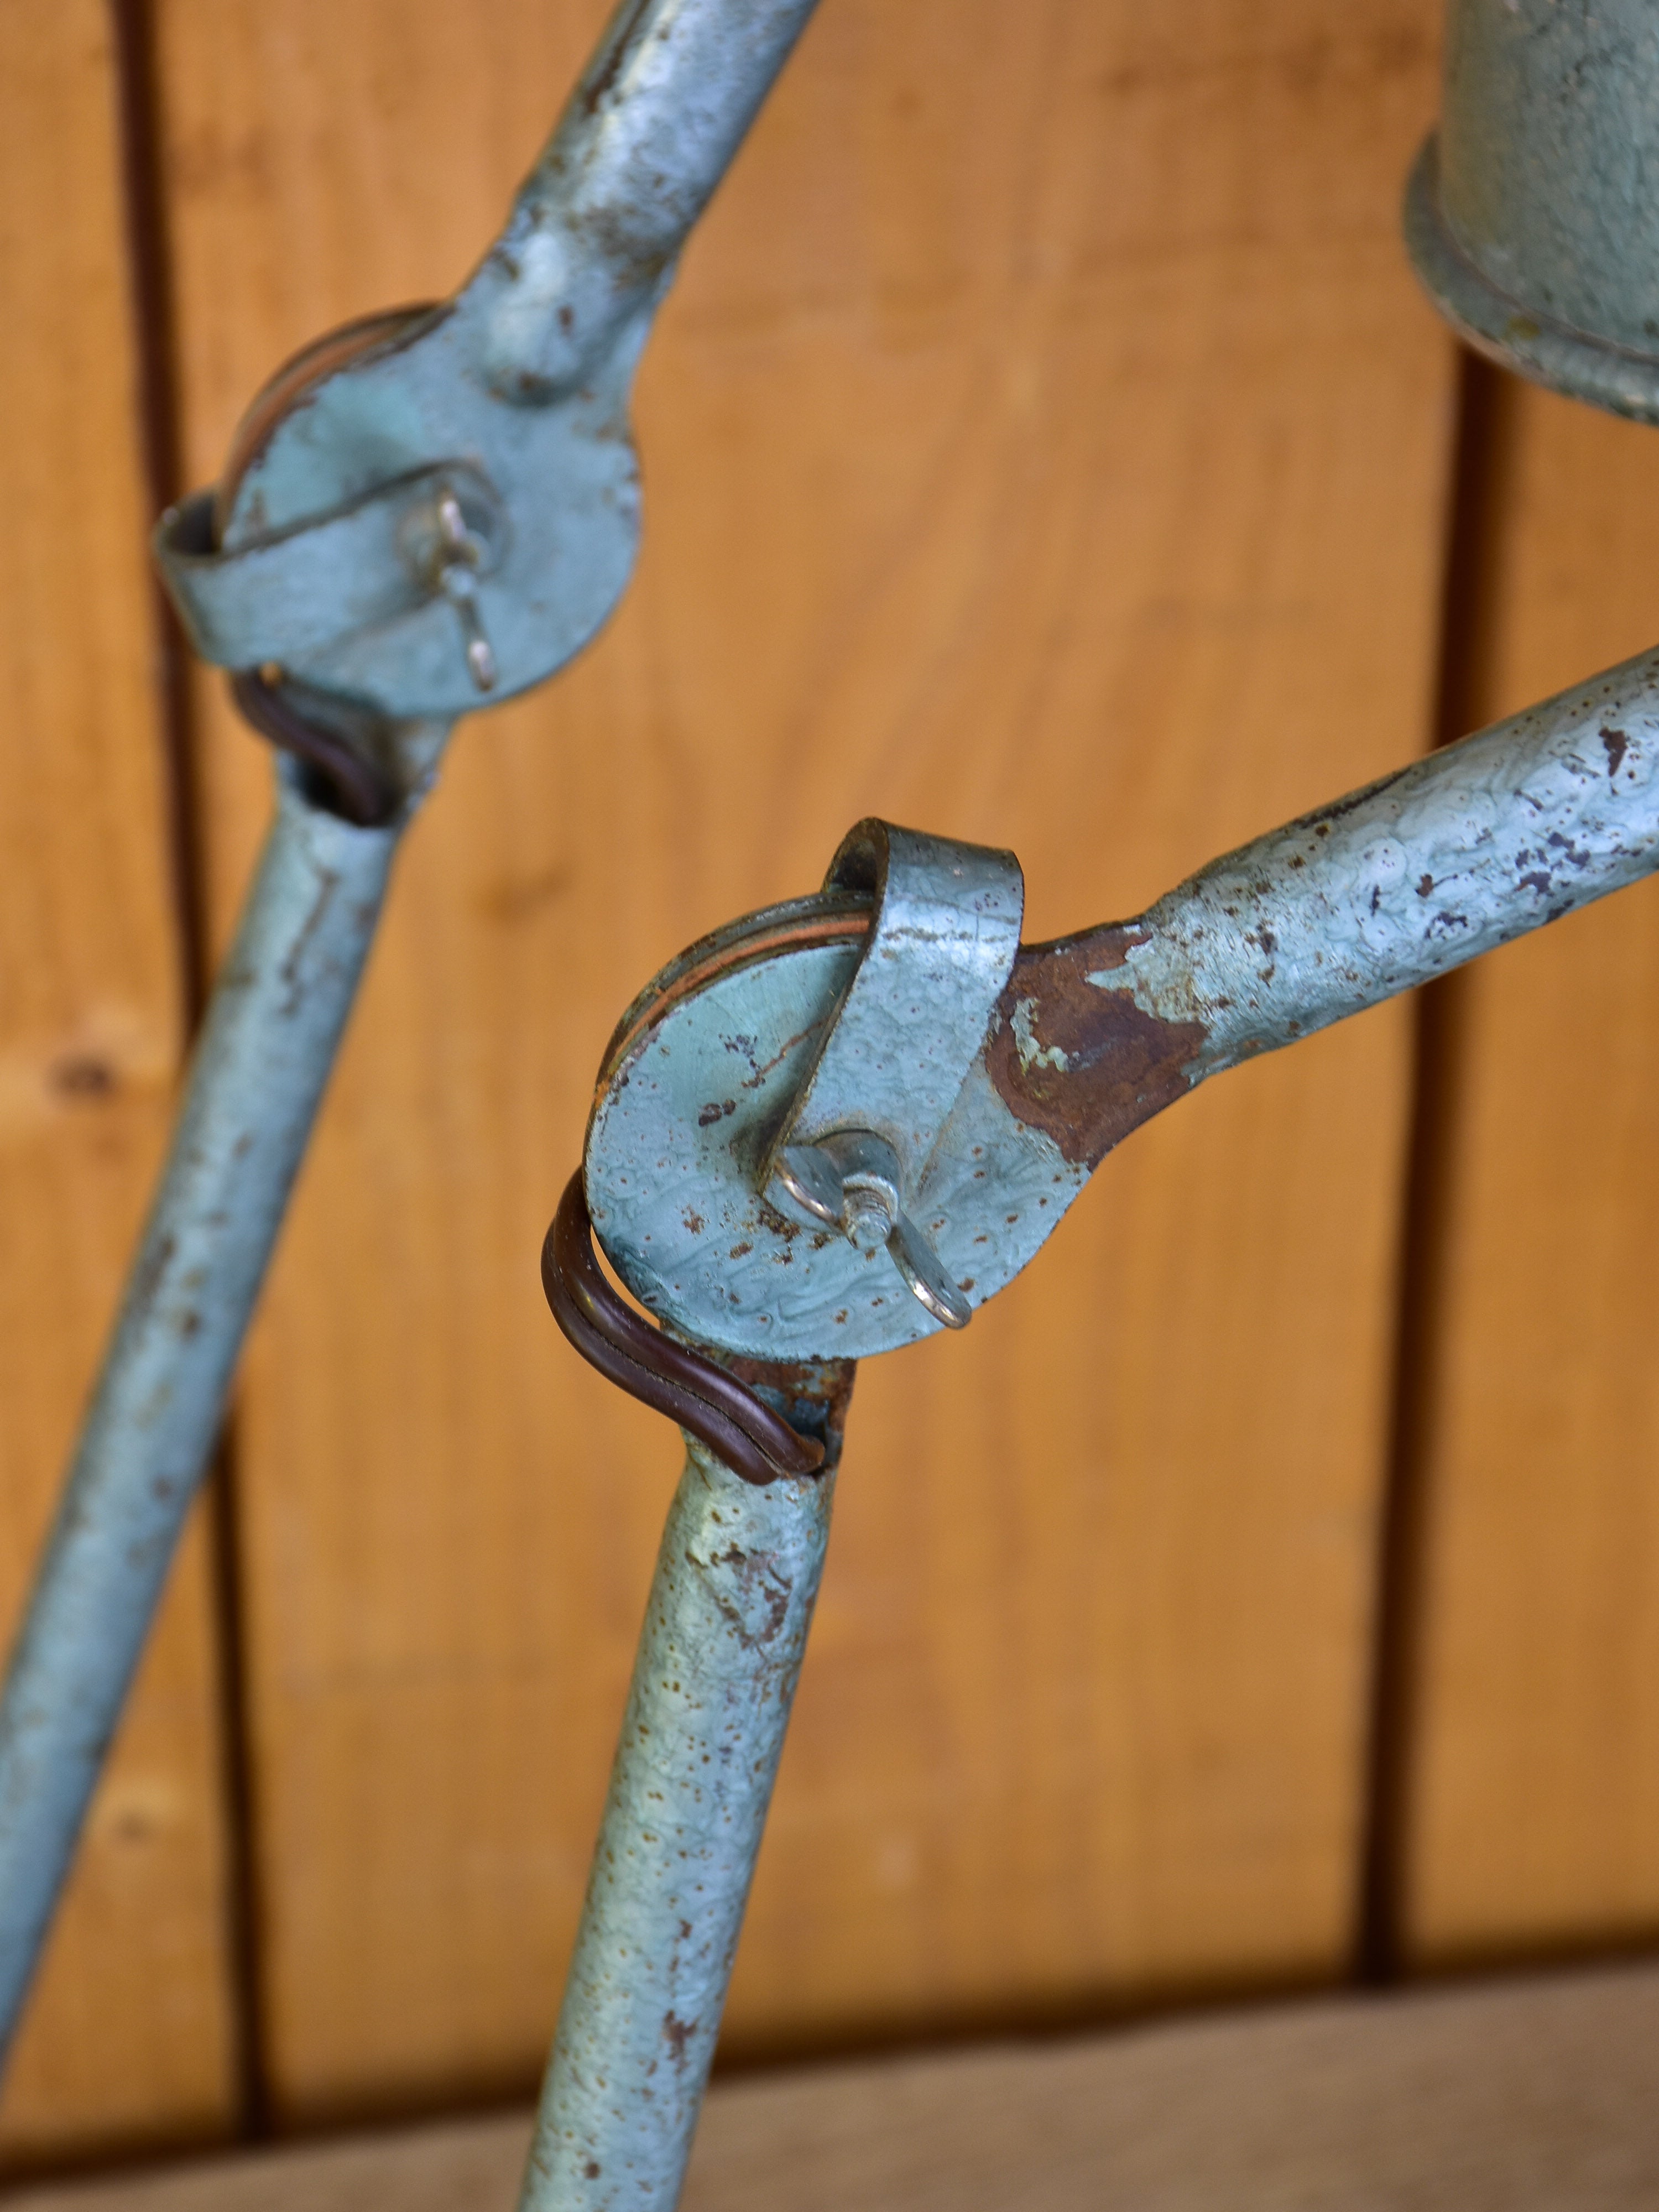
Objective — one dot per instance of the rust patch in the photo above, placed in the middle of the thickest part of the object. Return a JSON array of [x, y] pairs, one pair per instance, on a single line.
[[614, 233], [763, 1606], [1107, 948], [812, 1394], [1094, 1064]]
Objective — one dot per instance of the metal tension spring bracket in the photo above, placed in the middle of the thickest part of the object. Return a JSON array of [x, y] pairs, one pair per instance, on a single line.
[[836, 1125], [775, 1159]]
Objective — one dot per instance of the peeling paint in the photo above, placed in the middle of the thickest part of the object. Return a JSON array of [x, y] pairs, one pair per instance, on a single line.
[[264, 1057], [713, 1683], [1381, 890], [1415, 875]]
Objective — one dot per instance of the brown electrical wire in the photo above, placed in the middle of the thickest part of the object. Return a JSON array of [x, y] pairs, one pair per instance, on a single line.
[[737, 1426], [355, 789]]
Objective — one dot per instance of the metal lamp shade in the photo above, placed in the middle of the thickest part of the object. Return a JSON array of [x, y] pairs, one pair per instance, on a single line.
[[1533, 214]]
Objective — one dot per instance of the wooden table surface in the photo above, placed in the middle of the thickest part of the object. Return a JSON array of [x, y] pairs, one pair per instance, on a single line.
[[1502, 2097]]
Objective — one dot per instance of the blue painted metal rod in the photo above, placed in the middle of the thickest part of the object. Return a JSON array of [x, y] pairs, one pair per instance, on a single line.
[[715, 1680], [266, 1047], [566, 295]]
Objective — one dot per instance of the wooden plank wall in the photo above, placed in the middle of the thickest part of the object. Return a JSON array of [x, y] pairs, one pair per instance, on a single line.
[[130, 2033], [1044, 442], [1533, 1808]]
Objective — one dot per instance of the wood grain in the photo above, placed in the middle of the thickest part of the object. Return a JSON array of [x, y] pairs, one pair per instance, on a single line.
[[1044, 443], [128, 2033], [1535, 1794], [1536, 2096]]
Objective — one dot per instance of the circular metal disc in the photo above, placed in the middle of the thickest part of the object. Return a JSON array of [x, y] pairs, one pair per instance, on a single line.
[[697, 1081]]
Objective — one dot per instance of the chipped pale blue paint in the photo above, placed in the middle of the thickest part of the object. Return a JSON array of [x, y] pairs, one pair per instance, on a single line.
[[673, 1191], [1458, 854], [258, 1071], [943, 937], [713, 1681]]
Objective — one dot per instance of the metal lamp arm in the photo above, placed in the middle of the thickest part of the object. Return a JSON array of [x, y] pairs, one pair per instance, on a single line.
[[1366, 897], [645, 136]]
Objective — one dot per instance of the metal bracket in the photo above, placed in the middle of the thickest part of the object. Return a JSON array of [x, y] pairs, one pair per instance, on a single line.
[[357, 553], [852, 1154], [294, 595], [794, 1151]]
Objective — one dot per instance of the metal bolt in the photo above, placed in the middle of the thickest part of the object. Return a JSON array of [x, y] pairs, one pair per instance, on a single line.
[[850, 1181], [460, 556]]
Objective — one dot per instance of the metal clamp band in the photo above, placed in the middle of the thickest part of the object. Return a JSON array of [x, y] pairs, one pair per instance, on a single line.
[[293, 594], [853, 1150], [941, 947]]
